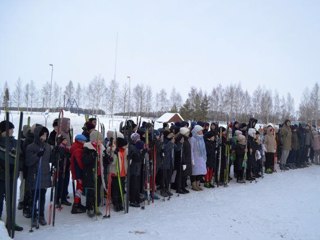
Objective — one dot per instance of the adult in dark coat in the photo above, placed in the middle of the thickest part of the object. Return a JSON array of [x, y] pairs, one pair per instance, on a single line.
[[186, 158], [39, 152], [12, 155], [136, 156]]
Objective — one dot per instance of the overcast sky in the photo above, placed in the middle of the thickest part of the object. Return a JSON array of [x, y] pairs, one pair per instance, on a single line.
[[271, 43]]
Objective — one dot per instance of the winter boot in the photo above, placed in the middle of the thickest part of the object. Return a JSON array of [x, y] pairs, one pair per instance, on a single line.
[[97, 212], [90, 213], [77, 209], [199, 187], [194, 186], [207, 185], [42, 221]]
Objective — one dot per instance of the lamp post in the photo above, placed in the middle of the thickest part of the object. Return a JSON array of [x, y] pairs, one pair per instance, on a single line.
[[129, 101], [51, 65]]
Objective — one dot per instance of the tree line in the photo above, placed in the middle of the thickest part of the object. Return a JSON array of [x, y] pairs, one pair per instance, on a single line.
[[222, 103]]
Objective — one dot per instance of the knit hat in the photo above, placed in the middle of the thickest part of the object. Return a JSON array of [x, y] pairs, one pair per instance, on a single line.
[[95, 135], [81, 138], [197, 128], [135, 137], [3, 126], [241, 139], [185, 131]]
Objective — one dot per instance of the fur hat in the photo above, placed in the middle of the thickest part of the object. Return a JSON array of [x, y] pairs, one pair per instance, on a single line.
[[3, 126], [185, 131]]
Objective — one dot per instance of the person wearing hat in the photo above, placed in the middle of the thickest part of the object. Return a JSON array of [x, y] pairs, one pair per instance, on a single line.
[[39, 154], [93, 154], [118, 150], [199, 157], [135, 153], [240, 150], [286, 139], [186, 159], [12, 151], [270, 145], [76, 166]]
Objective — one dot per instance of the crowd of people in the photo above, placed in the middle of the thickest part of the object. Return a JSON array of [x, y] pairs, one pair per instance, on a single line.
[[145, 164]]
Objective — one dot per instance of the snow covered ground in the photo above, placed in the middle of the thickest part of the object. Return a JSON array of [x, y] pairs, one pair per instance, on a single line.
[[284, 205]]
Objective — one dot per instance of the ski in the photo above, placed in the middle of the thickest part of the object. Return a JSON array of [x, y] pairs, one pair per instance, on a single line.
[[15, 175]]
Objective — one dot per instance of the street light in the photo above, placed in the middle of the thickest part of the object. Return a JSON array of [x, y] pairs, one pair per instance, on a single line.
[[51, 65], [129, 95]]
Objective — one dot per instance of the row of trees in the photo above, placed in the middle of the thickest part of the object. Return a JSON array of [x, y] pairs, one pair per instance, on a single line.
[[222, 103]]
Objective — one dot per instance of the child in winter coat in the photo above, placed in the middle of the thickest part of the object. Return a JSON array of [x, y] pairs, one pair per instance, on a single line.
[[38, 157], [118, 150], [209, 139], [240, 150], [63, 156], [93, 158], [76, 166]]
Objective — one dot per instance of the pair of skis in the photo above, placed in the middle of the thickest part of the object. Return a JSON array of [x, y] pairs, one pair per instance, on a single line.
[[11, 198]]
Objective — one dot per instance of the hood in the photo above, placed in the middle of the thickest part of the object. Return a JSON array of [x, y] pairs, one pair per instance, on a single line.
[[38, 131]]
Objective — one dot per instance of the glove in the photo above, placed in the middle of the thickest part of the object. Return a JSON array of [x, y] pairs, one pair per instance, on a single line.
[[184, 167], [40, 154]]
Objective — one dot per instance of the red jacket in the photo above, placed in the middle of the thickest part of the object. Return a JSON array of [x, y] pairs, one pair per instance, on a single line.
[[76, 151]]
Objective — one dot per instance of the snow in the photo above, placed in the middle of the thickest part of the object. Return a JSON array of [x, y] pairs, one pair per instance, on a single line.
[[283, 205]]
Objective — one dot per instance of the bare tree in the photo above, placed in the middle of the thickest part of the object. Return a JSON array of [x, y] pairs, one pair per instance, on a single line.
[[45, 95], [26, 95], [57, 93], [17, 94], [163, 100], [69, 91], [175, 98], [148, 101], [78, 95], [113, 90], [33, 94]]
